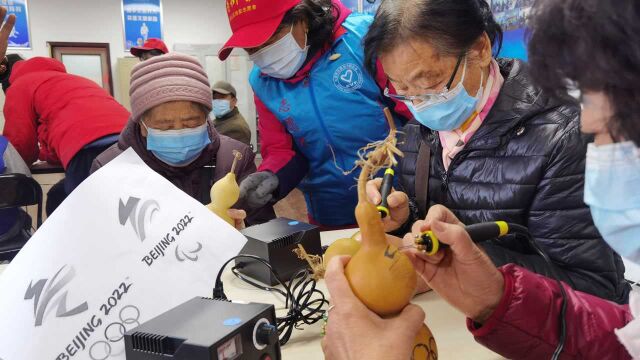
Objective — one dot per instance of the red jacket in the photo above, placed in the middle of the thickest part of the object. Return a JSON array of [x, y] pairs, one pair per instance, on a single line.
[[526, 323], [50, 115]]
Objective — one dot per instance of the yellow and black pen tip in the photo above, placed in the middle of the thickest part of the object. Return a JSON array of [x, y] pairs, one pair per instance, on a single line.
[[385, 190], [428, 243], [384, 211]]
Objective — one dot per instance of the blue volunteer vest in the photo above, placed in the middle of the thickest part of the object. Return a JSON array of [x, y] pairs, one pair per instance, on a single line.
[[336, 110]]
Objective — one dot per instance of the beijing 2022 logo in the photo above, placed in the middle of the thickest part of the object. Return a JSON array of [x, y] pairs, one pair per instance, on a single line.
[[49, 294], [138, 215]]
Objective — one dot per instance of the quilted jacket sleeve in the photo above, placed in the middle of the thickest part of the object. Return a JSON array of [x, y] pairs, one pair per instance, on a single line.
[[560, 222], [526, 323]]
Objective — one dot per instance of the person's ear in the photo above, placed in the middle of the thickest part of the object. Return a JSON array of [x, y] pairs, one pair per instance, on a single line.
[[234, 102], [482, 52], [143, 129], [142, 124]]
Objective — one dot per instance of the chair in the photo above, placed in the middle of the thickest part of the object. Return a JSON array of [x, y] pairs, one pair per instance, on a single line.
[[16, 191]]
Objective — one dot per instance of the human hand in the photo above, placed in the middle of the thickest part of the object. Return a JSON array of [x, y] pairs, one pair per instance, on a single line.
[[355, 332], [238, 217], [256, 190], [461, 274], [422, 286], [398, 205], [5, 30]]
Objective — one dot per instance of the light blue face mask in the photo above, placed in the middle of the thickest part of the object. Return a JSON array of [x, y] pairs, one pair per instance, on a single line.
[[447, 111], [177, 147], [221, 107], [612, 191], [281, 59]]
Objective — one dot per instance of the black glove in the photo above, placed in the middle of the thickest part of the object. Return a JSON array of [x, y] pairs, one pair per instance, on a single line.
[[256, 190]]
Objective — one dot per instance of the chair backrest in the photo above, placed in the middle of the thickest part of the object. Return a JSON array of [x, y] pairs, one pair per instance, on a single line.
[[17, 190]]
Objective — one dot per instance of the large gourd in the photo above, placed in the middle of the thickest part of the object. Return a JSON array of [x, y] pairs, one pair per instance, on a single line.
[[226, 192], [381, 276]]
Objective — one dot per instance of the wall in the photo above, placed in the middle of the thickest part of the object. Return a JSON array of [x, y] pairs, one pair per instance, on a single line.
[[185, 21]]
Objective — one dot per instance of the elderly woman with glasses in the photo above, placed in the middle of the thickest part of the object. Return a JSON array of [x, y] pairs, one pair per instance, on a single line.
[[487, 143]]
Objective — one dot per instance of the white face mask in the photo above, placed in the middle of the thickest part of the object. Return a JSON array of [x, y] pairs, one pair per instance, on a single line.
[[281, 59]]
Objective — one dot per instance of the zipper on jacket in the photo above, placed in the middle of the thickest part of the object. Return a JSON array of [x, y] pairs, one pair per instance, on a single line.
[[445, 182], [446, 175]]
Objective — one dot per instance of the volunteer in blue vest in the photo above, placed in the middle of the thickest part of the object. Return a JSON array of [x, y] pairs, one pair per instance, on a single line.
[[316, 103]]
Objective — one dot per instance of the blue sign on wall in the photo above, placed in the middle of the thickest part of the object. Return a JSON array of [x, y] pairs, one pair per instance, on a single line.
[[370, 7], [363, 6], [20, 36], [353, 5], [142, 21], [512, 17]]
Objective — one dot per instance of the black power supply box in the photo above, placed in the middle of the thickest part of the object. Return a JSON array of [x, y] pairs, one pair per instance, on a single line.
[[207, 329], [275, 241]]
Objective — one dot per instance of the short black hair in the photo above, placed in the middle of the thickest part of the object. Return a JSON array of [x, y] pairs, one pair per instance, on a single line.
[[452, 26], [320, 15], [593, 45], [12, 59]]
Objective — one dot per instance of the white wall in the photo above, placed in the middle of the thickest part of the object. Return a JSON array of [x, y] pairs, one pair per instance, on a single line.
[[185, 21]]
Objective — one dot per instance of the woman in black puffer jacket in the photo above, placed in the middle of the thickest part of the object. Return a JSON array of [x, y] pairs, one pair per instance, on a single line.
[[491, 144]]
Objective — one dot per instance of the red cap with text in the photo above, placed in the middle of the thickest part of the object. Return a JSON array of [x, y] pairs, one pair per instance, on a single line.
[[151, 44], [253, 22]]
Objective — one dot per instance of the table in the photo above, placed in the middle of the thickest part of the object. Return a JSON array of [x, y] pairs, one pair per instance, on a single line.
[[447, 324]]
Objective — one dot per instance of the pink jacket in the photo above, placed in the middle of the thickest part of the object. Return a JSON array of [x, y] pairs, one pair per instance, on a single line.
[[526, 323]]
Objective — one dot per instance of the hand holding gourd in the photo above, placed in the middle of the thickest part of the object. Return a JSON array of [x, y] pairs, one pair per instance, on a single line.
[[225, 193]]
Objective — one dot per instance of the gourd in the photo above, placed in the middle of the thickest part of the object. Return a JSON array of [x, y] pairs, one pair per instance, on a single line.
[[345, 246], [381, 276], [226, 192]]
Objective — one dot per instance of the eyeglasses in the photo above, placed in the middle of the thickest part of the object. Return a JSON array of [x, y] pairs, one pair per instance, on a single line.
[[436, 96]]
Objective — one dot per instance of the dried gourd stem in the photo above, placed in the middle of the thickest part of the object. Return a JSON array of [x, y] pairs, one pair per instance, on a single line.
[[378, 155], [314, 261], [236, 157], [389, 117]]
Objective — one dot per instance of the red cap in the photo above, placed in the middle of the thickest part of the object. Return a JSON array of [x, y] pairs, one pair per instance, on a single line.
[[254, 22], [151, 44]]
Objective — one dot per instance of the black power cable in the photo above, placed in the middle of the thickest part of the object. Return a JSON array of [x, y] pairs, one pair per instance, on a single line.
[[303, 300], [522, 230]]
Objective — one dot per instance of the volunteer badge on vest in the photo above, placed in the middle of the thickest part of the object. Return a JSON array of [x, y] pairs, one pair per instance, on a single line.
[[348, 78]]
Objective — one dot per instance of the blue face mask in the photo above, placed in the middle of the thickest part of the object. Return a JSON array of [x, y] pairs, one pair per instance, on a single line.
[[177, 147], [447, 111], [282, 59], [612, 191], [221, 107]]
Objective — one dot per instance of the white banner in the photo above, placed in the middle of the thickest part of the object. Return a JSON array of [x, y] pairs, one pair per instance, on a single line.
[[125, 247]]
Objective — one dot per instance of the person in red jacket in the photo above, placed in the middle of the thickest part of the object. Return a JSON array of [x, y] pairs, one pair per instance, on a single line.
[[59, 118], [510, 310]]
